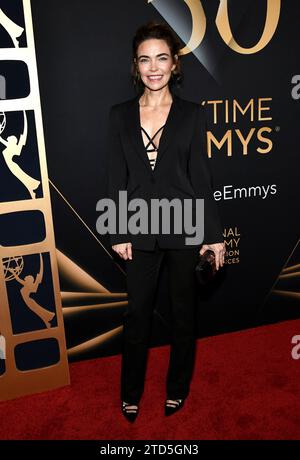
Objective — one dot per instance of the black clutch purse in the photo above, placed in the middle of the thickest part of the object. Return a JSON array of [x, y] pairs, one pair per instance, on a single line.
[[206, 267]]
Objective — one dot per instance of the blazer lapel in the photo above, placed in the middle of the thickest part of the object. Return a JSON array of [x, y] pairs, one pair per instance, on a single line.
[[168, 133], [170, 129]]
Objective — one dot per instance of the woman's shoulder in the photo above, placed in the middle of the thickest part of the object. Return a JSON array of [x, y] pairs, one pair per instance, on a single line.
[[192, 105], [123, 104], [193, 109]]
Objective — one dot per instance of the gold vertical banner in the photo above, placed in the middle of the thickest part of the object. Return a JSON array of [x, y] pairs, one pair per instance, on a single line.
[[33, 356]]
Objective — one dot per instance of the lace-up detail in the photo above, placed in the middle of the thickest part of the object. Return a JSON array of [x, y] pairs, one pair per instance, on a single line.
[[153, 151]]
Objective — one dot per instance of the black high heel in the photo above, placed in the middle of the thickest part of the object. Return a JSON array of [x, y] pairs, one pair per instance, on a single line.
[[130, 412], [173, 405]]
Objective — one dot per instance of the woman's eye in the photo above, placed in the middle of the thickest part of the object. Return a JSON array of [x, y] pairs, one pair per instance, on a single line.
[[146, 60]]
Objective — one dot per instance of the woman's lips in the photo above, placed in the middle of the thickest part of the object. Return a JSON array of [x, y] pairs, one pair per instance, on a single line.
[[154, 77]]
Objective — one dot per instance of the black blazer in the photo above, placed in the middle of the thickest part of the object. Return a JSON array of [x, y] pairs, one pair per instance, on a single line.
[[181, 170]]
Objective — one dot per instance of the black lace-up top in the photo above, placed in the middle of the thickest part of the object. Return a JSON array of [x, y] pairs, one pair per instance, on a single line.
[[154, 149]]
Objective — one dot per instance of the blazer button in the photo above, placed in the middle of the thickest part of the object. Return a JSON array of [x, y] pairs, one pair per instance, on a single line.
[[152, 180]]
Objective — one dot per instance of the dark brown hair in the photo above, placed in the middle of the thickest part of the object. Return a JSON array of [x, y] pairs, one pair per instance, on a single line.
[[163, 32]]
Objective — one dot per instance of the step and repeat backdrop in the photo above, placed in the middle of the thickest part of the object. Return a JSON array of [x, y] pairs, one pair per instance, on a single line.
[[240, 60]]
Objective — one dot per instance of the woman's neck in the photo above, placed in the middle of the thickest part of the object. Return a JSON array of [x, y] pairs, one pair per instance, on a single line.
[[156, 98]]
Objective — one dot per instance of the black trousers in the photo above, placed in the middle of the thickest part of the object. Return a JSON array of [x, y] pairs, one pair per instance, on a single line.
[[142, 277]]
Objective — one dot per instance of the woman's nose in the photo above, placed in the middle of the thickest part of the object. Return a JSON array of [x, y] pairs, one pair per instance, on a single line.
[[153, 66]]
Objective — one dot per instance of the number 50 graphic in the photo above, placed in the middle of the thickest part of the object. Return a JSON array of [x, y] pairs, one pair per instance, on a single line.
[[224, 29]]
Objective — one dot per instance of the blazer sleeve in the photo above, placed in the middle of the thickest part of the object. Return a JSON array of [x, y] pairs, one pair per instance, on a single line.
[[201, 179], [117, 172]]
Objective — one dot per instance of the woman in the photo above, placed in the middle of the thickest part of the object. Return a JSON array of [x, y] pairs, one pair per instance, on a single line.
[[157, 150]]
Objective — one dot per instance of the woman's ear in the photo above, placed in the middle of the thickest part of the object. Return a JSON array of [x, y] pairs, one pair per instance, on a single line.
[[174, 63]]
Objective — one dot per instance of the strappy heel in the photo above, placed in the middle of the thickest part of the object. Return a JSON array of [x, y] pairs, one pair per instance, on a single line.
[[130, 411], [173, 405]]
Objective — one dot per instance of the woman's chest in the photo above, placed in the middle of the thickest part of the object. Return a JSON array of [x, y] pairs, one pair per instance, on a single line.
[[153, 118]]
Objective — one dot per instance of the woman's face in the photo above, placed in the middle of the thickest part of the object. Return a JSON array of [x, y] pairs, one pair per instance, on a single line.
[[154, 60]]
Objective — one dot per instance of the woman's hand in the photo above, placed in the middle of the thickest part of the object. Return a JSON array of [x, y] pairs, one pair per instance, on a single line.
[[219, 251], [124, 250]]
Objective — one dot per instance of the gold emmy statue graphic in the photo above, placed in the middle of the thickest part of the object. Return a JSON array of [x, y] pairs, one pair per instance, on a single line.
[[13, 147], [29, 282], [12, 29], [30, 286]]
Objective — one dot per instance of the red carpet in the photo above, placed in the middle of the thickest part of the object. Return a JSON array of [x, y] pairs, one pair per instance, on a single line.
[[246, 386]]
